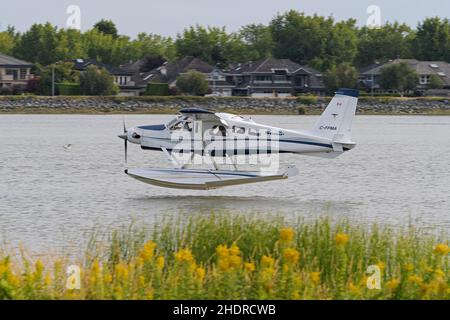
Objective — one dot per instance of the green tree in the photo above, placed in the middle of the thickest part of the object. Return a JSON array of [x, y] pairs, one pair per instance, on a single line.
[[314, 40], [107, 27], [69, 45], [97, 81], [435, 82], [193, 83], [258, 40], [147, 44], [399, 77], [213, 45], [343, 75], [341, 45], [64, 73], [432, 41], [390, 41], [38, 44], [6, 43]]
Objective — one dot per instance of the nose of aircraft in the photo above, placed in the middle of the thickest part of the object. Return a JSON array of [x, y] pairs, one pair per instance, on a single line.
[[122, 136]]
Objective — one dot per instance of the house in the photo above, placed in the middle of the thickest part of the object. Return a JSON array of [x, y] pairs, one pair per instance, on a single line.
[[122, 77], [14, 72], [170, 71], [369, 76], [272, 77]]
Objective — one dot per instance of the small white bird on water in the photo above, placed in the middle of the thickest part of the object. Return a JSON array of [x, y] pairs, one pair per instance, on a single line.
[[67, 147]]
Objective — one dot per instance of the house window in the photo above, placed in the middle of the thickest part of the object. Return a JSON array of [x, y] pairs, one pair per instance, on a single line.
[[13, 72], [424, 79], [23, 74], [263, 79], [280, 78]]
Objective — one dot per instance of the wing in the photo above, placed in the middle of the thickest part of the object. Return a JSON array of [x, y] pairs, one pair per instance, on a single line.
[[202, 114]]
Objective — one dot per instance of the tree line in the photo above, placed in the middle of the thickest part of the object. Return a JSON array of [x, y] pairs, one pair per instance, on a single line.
[[321, 42]]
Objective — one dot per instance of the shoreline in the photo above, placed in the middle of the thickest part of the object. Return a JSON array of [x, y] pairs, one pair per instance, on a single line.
[[76, 111], [302, 105]]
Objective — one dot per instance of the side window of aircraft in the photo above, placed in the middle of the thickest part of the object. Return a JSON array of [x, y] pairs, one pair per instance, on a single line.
[[219, 131], [253, 132], [177, 126], [239, 130]]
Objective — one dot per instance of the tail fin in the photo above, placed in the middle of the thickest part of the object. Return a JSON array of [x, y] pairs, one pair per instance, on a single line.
[[335, 123]]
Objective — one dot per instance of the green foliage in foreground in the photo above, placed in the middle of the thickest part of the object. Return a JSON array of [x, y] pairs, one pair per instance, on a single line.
[[217, 256]]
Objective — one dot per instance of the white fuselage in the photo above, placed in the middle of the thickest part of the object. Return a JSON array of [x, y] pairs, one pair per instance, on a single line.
[[242, 136]]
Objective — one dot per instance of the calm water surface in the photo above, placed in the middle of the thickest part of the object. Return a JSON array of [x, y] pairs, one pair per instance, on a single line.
[[52, 198]]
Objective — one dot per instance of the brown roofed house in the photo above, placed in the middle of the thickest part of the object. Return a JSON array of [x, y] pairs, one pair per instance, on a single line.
[[272, 77], [14, 72]]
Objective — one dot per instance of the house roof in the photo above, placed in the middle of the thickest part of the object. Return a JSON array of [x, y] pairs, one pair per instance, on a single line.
[[440, 68], [8, 61], [169, 71], [82, 64], [269, 65], [137, 66]]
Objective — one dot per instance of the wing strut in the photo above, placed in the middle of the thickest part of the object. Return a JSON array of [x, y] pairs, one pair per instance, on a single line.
[[172, 159]]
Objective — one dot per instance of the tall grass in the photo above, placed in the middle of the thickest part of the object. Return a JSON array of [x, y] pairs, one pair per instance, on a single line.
[[220, 256]]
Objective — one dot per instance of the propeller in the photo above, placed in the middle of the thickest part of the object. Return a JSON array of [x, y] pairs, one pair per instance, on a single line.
[[125, 140]]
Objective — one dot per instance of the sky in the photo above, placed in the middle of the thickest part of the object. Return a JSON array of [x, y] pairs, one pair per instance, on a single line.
[[169, 17]]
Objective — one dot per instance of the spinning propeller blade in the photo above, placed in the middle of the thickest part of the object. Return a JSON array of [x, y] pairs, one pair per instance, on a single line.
[[125, 141]]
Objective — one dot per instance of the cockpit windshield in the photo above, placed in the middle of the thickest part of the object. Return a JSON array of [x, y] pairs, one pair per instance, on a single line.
[[181, 123]]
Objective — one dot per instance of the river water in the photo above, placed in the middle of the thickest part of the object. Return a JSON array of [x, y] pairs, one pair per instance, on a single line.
[[50, 197]]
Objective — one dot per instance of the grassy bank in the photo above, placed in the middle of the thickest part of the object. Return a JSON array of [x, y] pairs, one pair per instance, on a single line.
[[228, 257]]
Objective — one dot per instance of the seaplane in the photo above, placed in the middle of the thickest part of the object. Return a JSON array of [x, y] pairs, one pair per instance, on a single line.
[[200, 142]]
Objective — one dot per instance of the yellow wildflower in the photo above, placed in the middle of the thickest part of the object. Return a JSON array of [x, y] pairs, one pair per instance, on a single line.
[[267, 262], [234, 250], [381, 265], [234, 261], [122, 270], [141, 281], [95, 268], [160, 262], [200, 273], [415, 279], [441, 249], [48, 280], [291, 256], [393, 284], [286, 235], [222, 251], [354, 290], [39, 266], [108, 278], [341, 239], [315, 277], [184, 256], [427, 287], [228, 258], [147, 251], [439, 274], [249, 266]]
